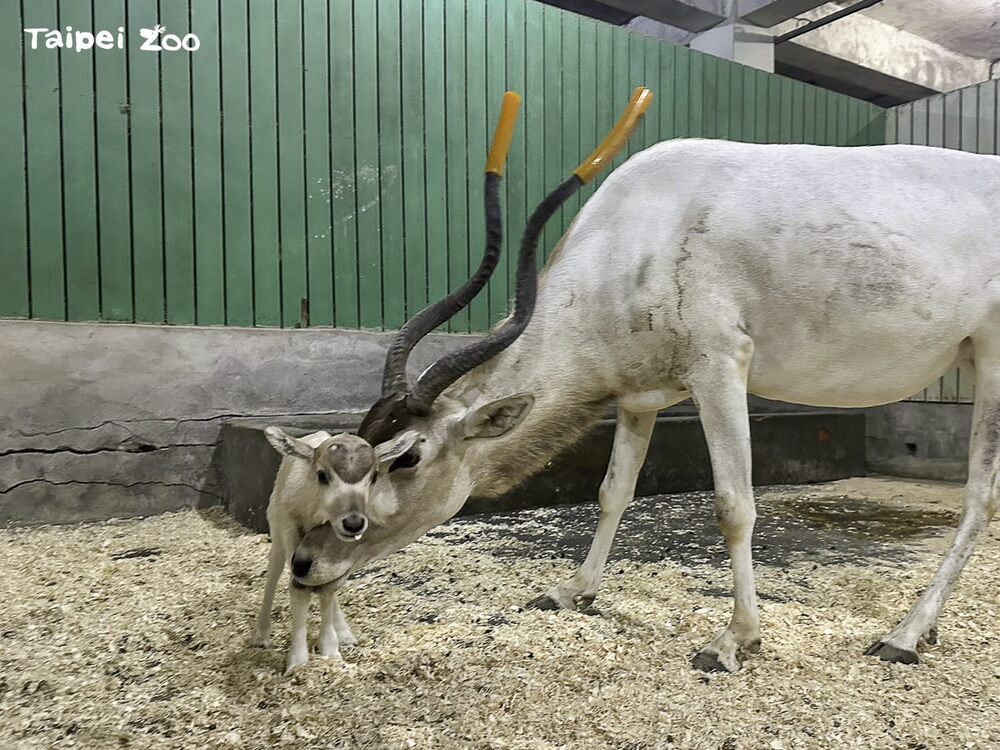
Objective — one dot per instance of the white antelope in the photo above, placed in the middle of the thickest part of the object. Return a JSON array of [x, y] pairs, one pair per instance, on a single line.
[[838, 277]]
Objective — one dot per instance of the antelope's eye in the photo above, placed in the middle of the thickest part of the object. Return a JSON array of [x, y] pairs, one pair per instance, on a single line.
[[322, 477], [406, 461]]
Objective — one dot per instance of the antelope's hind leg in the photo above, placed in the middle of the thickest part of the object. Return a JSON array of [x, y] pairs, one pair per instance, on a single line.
[[722, 404], [981, 499], [632, 435]]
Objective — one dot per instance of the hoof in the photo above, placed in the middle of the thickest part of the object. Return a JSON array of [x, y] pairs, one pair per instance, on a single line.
[[545, 603], [931, 636], [347, 641], [259, 642], [752, 647], [291, 669], [890, 653], [330, 650], [706, 661]]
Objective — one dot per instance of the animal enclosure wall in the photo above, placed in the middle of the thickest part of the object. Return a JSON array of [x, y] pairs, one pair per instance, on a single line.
[[966, 119], [319, 163]]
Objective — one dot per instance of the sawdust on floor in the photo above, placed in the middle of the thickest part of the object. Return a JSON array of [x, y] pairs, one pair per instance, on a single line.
[[133, 635]]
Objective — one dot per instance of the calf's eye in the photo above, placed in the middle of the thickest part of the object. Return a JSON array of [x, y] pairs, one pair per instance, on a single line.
[[322, 477]]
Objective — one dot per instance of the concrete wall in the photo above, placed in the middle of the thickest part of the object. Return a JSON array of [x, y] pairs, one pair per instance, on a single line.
[[922, 440], [104, 420]]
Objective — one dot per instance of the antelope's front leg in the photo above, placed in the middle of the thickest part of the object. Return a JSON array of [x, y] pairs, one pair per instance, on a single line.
[[632, 435], [722, 404]]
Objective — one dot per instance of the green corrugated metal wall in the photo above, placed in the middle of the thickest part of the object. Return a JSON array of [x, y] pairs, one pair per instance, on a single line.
[[325, 156], [965, 119]]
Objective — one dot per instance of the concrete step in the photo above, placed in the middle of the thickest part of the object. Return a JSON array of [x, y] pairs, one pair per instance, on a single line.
[[788, 448]]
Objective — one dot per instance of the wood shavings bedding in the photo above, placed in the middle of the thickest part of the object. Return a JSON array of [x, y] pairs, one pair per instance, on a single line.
[[104, 647]]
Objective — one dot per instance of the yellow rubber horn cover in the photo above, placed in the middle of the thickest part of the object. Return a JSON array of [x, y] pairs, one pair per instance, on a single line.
[[504, 133], [619, 135]]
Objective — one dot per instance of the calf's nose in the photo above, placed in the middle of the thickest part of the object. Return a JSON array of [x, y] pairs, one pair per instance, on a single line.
[[354, 524]]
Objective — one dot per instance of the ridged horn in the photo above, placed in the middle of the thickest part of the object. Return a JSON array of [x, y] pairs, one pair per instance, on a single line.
[[394, 374], [389, 413], [451, 367]]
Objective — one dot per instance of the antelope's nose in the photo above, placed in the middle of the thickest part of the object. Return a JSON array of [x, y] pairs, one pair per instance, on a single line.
[[301, 566], [354, 524]]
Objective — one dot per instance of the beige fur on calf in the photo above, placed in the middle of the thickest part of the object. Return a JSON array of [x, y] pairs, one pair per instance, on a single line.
[[323, 479]]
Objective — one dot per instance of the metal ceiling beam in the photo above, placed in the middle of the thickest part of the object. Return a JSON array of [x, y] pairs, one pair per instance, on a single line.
[[769, 13], [835, 73], [594, 9], [828, 19], [693, 15]]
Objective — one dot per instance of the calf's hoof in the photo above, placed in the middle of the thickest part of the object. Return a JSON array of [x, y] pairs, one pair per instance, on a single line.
[[888, 652], [347, 640], [259, 641], [710, 661], [295, 661]]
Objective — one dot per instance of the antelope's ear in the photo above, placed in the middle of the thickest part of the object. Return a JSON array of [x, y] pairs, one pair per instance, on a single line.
[[390, 450], [497, 417], [287, 445]]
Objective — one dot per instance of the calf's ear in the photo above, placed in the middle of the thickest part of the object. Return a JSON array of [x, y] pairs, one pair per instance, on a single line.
[[497, 417], [287, 445]]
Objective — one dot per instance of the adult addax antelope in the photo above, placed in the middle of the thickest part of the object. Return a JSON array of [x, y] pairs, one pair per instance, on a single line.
[[842, 277]]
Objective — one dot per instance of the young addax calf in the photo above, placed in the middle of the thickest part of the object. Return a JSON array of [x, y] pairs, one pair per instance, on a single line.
[[323, 479]]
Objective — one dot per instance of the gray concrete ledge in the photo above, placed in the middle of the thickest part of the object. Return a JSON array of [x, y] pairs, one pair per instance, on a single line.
[[116, 420]]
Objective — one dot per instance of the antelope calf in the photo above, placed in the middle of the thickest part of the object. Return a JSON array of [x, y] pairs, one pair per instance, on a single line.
[[323, 479]]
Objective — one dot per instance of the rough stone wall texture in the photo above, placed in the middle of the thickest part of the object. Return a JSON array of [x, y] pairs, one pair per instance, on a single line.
[[110, 420]]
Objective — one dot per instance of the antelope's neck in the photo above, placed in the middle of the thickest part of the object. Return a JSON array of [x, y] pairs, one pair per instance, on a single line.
[[566, 406]]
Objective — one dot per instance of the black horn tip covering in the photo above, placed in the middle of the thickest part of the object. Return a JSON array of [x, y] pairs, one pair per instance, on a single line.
[[452, 366]]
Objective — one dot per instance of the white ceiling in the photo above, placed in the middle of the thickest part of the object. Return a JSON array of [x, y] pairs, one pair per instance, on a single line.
[[971, 27]]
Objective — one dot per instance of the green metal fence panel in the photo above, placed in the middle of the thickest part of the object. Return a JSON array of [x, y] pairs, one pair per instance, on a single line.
[[292, 233], [80, 210], [14, 284], [966, 119], [237, 194], [43, 166], [475, 153], [321, 163], [318, 183]]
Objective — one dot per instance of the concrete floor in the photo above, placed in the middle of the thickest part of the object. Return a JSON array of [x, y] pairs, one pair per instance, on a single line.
[[847, 521]]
